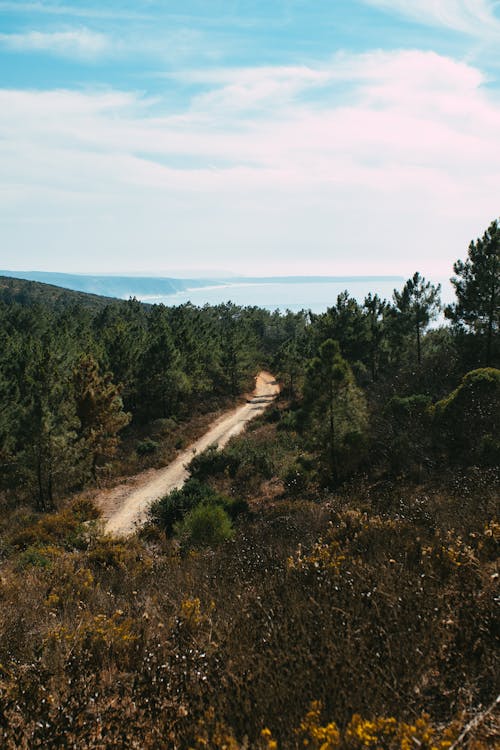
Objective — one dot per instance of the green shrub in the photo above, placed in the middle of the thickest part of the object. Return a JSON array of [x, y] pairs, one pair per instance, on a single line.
[[407, 436], [299, 475], [164, 426], [212, 462], [205, 526], [36, 557], [146, 447], [172, 508], [289, 421], [466, 421]]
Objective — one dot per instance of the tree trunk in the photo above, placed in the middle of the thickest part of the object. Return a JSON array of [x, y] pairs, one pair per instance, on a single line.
[[332, 435], [39, 476], [489, 335]]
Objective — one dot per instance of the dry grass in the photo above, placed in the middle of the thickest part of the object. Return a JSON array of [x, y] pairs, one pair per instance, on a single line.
[[378, 603]]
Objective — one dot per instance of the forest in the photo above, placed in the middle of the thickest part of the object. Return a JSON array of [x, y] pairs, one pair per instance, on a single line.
[[328, 580]]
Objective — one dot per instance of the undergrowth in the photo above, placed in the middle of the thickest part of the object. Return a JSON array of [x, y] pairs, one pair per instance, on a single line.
[[366, 619]]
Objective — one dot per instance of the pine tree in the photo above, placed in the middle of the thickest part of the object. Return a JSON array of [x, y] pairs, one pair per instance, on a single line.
[[375, 309], [477, 287], [161, 381], [415, 306], [47, 429], [100, 410], [335, 408]]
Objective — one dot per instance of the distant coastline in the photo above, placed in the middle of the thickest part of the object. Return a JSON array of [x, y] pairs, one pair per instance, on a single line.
[[315, 293], [126, 286]]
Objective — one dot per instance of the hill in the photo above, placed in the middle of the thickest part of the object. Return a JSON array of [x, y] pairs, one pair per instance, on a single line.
[[121, 287], [31, 292]]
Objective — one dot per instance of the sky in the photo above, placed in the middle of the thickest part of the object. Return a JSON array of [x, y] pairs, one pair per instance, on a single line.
[[256, 137]]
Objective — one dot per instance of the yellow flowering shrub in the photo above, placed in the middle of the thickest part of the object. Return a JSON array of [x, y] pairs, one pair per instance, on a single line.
[[191, 615], [323, 556], [382, 733], [65, 528], [422, 735], [214, 735], [108, 552], [71, 584], [95, 636], [190, 611], [448, 554], [267, 740], [376, 733], [315, 736]]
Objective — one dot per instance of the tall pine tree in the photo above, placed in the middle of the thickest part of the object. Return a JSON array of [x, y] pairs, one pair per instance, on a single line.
[[477, 287]]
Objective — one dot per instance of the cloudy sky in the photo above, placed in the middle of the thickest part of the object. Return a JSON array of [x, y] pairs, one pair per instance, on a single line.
[[253, 136]]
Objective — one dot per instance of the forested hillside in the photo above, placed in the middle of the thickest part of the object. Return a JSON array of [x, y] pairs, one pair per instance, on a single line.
[[29, 292], [328, 580]]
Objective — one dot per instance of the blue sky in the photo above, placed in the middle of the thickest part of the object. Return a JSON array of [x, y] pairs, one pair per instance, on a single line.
[[306, 136]]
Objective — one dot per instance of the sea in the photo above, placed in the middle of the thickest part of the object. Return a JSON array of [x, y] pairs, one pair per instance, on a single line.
[[314, 296]]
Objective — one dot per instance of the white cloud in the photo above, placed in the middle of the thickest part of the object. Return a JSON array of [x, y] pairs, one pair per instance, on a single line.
[[251, 88], [395, 167], [475, 17], [80, 43], [52, 9]]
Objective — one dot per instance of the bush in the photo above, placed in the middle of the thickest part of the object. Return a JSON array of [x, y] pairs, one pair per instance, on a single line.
[[37, 557], [466, 421], [173, 508], [66, 528], [146, 447], [299, 476], [205, 526], [108, 552], [407, 432], [212, 462]]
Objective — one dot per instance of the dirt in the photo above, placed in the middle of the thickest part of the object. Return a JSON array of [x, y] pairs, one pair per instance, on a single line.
[[124, 508]]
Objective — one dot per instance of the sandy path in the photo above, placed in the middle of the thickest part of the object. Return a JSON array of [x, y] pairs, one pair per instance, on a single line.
[[125, 506]]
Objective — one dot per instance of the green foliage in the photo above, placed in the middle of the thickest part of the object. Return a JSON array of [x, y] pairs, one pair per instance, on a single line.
[[249, 456], [162, 380], [318, 585], [375, 310], [100, 410], [65, 370], [299, 476], [212, 462], [206, 525], [335, 412], [415, 306], [407, 433], [467, 420], [344, 323], [174, 507], [146, 447], [477, 286], [34, 557]]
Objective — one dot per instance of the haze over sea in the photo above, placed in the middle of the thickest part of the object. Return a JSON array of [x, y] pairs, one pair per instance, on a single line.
[[314, 296]]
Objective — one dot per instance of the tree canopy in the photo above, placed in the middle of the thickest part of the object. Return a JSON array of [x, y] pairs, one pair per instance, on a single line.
[[477, 287]]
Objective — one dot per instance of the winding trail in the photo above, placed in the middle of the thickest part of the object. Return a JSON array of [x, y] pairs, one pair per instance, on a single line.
[[125, 506]]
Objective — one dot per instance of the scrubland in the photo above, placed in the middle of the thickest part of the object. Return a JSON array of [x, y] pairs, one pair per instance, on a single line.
[[363, 617]]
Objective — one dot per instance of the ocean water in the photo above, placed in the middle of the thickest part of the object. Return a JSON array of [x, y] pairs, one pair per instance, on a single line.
[[314, 296]]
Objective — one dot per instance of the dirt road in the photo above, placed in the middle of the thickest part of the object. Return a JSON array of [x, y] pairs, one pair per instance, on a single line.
[[125, 507]]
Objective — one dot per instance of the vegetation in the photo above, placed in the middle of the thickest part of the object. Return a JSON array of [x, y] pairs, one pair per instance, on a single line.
[[477, 286], [329, 580]]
